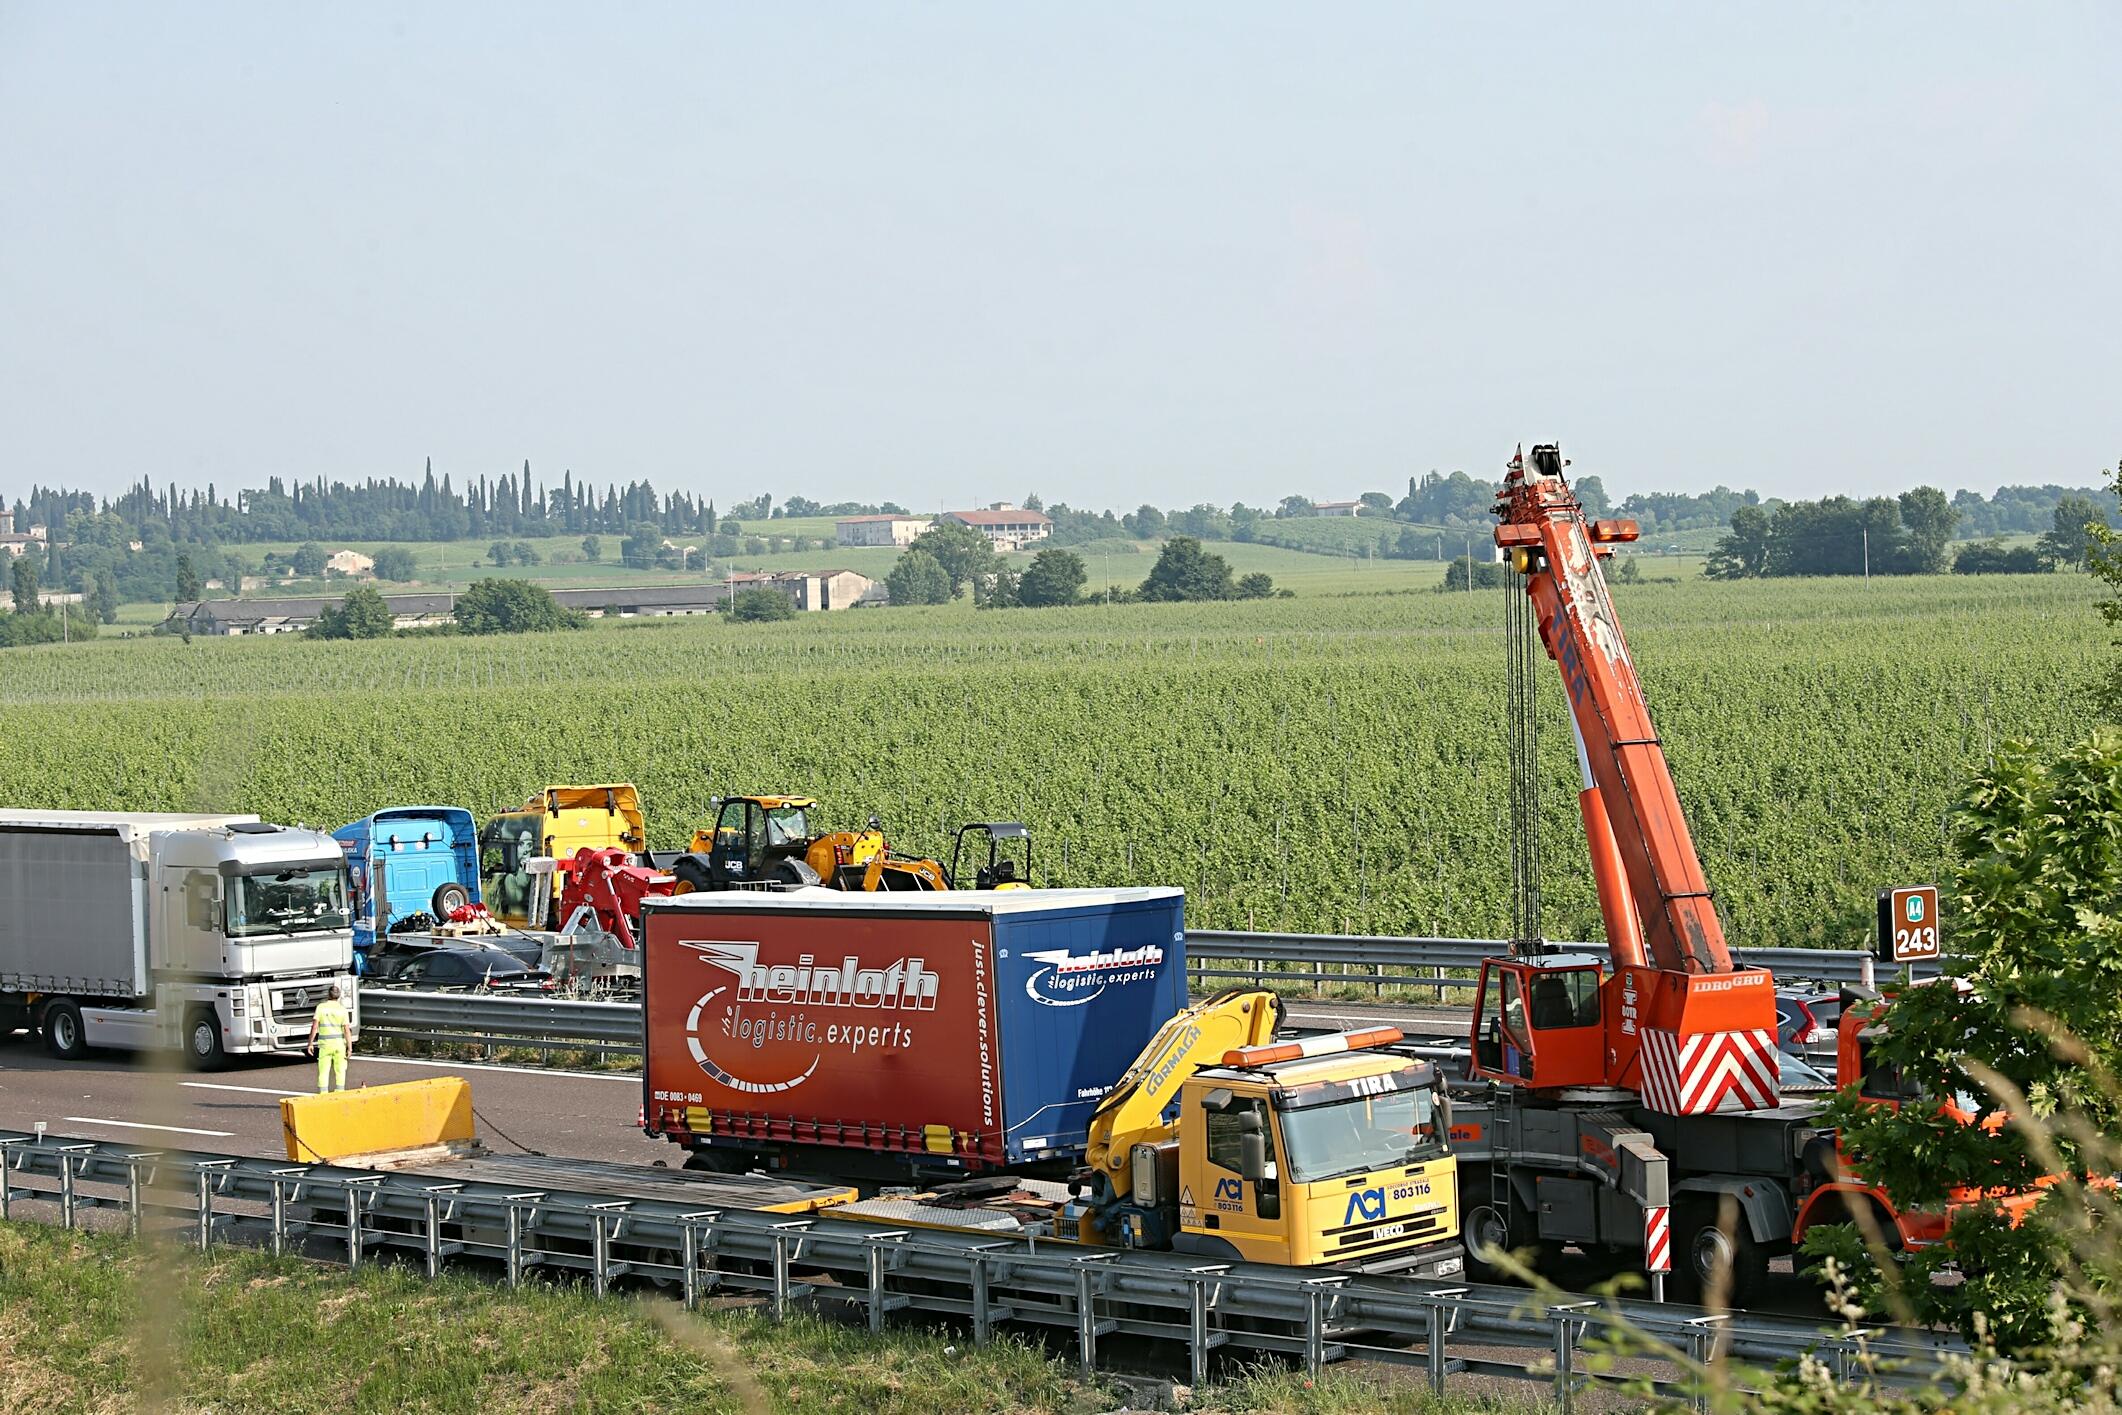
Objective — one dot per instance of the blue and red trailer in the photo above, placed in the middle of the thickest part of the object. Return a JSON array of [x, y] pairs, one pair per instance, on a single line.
[[900, 1035]]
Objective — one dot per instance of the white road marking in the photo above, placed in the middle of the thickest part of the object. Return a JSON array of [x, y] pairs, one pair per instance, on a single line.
[[142, 1125], [359, 1060], [249, 1090]]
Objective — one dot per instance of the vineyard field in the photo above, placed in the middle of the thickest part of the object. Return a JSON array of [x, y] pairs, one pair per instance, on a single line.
[[1323, 764]]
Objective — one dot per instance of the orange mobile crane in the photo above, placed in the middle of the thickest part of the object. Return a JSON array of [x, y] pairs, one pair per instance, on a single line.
[[1677, 1021], [1620, 1105]]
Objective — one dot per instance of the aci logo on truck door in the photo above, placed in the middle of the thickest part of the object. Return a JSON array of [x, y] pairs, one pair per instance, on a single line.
[[1069, 980], [1365, 1206], [1230, 1195]]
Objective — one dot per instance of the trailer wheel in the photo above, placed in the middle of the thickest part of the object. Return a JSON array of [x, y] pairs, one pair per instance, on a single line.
[[448, 897], [202, 1040], [64, 1035]]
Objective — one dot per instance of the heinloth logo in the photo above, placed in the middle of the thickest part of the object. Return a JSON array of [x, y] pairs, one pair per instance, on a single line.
[[1070, 980], [906, 984], [773, 1002]]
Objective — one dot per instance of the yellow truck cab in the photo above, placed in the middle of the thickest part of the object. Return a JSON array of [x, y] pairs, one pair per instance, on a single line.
[[1334, 1159], [1319, 1151], [554, 824]]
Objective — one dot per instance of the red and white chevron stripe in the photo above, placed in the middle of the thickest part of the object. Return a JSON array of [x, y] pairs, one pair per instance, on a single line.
[[1657, 1239], [1708, 1071]]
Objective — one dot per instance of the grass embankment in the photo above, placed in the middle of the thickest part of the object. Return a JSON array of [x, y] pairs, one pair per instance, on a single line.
[[99, 1323]]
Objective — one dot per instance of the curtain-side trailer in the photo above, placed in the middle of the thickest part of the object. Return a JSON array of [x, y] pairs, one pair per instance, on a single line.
[[216, 934]]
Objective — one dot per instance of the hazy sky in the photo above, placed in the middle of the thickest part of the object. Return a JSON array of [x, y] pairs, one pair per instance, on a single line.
[[945, 253]]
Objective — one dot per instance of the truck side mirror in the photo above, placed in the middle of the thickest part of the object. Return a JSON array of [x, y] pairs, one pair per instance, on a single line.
[[1252, 1154]]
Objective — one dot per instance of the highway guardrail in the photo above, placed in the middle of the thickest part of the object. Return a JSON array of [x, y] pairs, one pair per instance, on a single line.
[[785, 1261]]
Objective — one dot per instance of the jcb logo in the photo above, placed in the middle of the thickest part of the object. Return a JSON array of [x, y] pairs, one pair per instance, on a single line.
[[1365, 1204], [1229, 1189]]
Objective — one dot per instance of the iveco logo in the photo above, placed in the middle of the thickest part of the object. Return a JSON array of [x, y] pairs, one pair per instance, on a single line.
[[1066, 979]]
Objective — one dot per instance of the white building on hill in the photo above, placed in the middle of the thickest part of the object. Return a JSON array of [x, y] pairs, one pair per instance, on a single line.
[[880, 530]]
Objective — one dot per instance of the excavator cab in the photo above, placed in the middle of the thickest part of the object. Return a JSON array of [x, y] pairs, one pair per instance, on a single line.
[[1540, 1022], [760, 840], [768, 842], [1008, 866]]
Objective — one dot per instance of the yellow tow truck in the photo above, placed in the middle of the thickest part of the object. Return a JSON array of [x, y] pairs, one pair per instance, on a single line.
[[1222, 1141]]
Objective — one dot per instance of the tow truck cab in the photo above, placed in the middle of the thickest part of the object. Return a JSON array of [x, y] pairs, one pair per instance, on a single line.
[[1341, 1159]]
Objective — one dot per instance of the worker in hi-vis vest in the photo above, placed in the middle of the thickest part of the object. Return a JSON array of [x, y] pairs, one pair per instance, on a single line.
[[331, 1031]]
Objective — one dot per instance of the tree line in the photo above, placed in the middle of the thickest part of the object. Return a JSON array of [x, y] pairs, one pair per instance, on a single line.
[[949, 561], [129, 548], [1906, 535]]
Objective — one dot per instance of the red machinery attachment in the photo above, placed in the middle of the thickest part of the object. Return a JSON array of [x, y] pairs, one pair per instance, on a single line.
[[612, 887], [1676, 1020]]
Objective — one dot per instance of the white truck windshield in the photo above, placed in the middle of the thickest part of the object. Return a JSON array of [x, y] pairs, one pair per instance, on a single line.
[[1361, 1134], [306, 899]]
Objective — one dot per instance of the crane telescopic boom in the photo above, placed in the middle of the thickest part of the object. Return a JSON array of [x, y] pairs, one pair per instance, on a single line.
[[1677, 1021], [1552, 545]]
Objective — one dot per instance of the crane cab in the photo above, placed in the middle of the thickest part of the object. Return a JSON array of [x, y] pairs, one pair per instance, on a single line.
[[1540, 1022]]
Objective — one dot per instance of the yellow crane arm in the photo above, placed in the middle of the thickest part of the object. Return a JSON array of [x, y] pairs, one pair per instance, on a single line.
[[1132, 1111]]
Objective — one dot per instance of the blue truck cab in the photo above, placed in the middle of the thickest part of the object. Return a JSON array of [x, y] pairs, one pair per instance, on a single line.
[[407, 860]]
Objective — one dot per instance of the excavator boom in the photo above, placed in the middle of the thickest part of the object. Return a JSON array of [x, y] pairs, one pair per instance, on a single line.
[[1199, 1036]]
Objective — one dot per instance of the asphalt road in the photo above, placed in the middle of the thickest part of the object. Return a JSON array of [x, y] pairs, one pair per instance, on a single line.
[[114, 1096]]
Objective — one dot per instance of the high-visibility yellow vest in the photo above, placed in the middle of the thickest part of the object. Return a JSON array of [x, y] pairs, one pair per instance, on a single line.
[[331, 1022]]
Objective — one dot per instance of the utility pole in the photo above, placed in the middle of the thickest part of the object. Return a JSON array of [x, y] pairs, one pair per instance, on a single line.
[[1867, 557], [1469, 564]]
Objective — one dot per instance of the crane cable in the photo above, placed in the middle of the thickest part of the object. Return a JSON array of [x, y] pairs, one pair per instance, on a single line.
[[1521, 693]]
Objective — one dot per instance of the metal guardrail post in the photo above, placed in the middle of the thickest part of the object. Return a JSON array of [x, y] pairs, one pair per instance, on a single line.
[[874, 1252], [132, 1196], [983, 1328], [1197, 1304], [353, 1225], [695, 1251], [1435, 1304], [206, 1212], [689, 1282], [66, 1190], [1314, 1332], [279, 1218], [1566, 1321], [780, 1274], [1086, 1320], [1702, 1334], [431, 1243], [599, 1252], [514, 1257], [881, 1250]]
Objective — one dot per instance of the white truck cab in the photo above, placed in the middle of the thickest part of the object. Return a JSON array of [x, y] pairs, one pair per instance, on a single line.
[[214, 934]]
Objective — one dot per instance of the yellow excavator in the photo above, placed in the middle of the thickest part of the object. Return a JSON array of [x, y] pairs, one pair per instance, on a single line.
[[766, 842]]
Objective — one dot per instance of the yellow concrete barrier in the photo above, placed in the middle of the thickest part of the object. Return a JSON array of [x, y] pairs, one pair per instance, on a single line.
[[399, 1117]]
